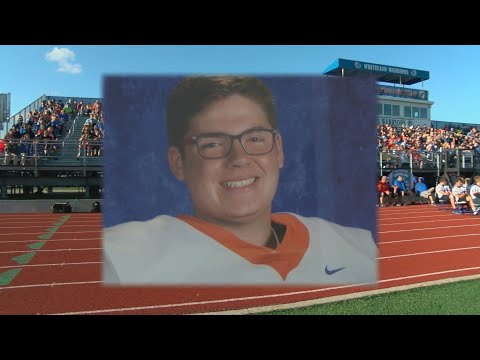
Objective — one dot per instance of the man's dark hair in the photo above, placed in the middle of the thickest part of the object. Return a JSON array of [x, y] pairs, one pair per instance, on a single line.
[[193, 94]]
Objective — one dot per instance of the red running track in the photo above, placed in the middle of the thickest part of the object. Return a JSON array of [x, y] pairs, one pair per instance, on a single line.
[[417, 244]]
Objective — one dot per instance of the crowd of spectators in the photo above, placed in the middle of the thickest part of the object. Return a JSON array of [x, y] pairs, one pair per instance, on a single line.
[[424, 138], [423, 143], [45, 125], [92, 132]]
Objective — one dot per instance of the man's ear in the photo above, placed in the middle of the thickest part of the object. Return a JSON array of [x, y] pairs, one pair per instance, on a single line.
[[280, 157], [175, 161]]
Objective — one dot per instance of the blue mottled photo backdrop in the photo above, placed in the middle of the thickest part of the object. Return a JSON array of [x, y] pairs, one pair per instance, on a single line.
[[328, 130]]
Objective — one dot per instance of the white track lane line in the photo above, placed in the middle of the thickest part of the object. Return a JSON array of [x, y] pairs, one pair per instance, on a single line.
[[420, 222], [42, 226], [50, 240], [59, 264], [421, 229], [427, 238], [420, 216], [49, 285], [52, 250], [429, 252], [335, 298], [196, 303], [56, 232]]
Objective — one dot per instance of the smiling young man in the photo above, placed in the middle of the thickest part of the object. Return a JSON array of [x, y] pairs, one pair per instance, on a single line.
[[225, 145]]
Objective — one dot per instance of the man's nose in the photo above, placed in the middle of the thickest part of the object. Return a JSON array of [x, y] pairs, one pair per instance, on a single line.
[[238, 156]]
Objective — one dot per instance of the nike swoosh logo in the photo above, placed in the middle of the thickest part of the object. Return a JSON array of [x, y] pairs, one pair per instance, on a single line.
[[333, 271]]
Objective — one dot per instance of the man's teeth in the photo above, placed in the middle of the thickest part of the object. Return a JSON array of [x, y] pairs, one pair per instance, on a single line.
[[240, 183]]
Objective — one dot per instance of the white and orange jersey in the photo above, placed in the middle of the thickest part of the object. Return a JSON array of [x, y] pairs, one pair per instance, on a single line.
[[475, 191], [188, 251]]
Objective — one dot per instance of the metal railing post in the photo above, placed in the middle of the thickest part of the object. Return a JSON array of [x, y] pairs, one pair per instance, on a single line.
[[437, 156], [411, 165], [84, 159], [458, 162], [36, 158], [381, 163]]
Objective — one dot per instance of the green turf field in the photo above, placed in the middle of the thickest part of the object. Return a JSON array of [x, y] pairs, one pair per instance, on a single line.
[[459, 298]]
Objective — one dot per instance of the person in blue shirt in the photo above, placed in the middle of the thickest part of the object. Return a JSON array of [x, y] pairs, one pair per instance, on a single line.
[[400, 190], [421, 188]]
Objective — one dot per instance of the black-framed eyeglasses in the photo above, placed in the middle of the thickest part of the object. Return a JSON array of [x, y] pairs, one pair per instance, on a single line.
[[255, 141]]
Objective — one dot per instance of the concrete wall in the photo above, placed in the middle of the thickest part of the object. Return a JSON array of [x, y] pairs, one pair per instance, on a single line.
[[27, 206]]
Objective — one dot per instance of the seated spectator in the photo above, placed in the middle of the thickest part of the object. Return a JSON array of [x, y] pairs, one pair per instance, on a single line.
[[63, 116], [56, 125], [87, 109], [58, 108], [54, 120], [36, 116], [100, 127], [97, 127], [97, 147], [97, 107], [53, 136], [468, 185], [91, 143], [475, 194], [400, 190], [19, 123], [23, 130], [45, 116], [459, 191], [83, 141], [443, 193], [91, 121], [423, 191], [383, 188], [68, 109], [37, 125], [26, 150], [45, 139], [15, 133], [80, 107], [40, 130], [11, 152]]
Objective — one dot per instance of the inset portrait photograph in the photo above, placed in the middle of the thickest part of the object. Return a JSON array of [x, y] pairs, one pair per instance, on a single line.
[[239, 180]]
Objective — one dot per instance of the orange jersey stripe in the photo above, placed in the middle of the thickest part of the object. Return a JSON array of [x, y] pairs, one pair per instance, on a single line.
[[283, 260]]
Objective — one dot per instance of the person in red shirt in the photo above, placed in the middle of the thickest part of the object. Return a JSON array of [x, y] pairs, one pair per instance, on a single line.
[[383, 189]]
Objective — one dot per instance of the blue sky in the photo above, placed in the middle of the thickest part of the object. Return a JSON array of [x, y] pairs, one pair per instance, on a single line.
[[27, 72]]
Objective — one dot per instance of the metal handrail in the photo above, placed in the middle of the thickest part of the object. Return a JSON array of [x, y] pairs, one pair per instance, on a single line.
[[36, 156]]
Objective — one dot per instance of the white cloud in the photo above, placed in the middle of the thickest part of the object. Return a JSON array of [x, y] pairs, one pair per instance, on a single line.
[[64, 58], [70, 68], [60, 55]]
